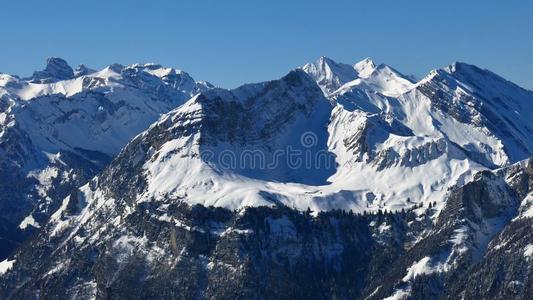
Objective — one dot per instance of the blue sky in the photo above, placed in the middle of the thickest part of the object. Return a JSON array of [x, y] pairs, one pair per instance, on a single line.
[[231, 42]]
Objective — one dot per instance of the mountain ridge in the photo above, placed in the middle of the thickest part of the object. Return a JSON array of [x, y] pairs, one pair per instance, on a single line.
[[423, 179], [57, 133]]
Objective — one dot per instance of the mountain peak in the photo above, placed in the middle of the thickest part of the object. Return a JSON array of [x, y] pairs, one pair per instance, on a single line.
[[470, 72], [59, 68], [365, 67], [297, 74], [364, 62], [329, 74], [474, 76], [116, 67], [83, 70], [459, 66], [56, 69], [326, 60]]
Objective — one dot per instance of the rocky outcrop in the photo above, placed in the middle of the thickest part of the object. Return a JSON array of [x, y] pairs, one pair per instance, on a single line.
[[56, 69]]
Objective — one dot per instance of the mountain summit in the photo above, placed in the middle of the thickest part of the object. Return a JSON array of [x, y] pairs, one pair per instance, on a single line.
[[329, 74], [56, 69], [364, 67]]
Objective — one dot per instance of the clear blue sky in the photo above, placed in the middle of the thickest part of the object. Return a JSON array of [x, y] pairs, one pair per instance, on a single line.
[[230, 42]]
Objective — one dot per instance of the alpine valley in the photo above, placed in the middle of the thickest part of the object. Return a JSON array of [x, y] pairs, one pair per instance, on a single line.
[[139, 182]]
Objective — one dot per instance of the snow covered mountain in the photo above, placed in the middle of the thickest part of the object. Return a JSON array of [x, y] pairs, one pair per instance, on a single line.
[[58, 128], [331, 75], [336, 174], [378, 142]]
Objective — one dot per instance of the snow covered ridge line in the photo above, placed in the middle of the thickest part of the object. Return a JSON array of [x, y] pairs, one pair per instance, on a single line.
[[60, 127], [369, 145], [258, 162], [304, 156]]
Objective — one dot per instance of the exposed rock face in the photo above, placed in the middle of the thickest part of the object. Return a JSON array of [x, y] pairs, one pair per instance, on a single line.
[[481, 98], [197, 252], [505, 272], [56, 69], [411, 157], [83, 70], [468, 251]]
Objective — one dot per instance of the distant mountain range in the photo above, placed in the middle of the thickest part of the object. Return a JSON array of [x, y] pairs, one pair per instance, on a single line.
[[334, 181]]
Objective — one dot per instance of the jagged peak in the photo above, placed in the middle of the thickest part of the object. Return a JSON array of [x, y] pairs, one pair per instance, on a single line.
[[116, 67], [159, 70], [365, 67], [474, 78], [296, 74], [461, 67], [326, 60], [366, 61], [323, 63], [384, 68], [56, 69], [470, 71], [83, 70], [329, 74], [298, 78], [53, 62]]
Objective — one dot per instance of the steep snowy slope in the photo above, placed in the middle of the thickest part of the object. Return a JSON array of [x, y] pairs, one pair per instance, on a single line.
[[60, 127], [499, 109]]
